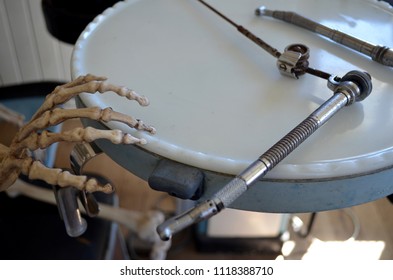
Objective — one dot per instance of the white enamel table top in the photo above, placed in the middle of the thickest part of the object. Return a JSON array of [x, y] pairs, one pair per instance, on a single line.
[[218, 101]]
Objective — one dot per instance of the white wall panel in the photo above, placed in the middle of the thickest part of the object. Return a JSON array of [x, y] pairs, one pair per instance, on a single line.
[[66, 53], [24, 39], [27, 51], [49, 50], [9, 67]]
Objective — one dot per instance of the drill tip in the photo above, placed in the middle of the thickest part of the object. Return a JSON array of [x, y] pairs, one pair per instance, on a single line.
[[260, 11], [263, 11], [194, 215], [164, 232]]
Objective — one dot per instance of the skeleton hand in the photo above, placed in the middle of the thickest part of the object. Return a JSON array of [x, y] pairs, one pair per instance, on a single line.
[[16, 159]]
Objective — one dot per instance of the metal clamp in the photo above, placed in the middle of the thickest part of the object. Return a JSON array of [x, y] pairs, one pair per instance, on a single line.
[[294, 61], [67, 198]]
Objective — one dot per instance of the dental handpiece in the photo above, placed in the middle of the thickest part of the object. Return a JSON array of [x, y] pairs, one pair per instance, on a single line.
[[380, 54], [354, 86]]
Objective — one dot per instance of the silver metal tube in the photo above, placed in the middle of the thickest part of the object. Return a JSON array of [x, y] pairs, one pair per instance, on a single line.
[[67, 203], [80, 155], [380, 54]]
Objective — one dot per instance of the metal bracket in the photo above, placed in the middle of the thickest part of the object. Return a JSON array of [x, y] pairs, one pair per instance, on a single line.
[[287, 62], [294, 61]]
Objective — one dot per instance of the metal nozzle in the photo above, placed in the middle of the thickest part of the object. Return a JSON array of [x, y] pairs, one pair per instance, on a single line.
[[263, 11], [199, 213], [260, 11]]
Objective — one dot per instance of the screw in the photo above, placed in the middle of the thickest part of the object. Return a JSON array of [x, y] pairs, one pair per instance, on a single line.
[[354, 86]]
